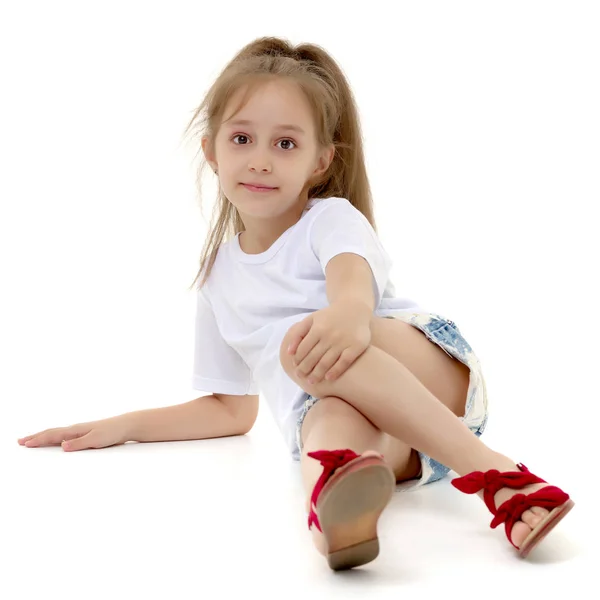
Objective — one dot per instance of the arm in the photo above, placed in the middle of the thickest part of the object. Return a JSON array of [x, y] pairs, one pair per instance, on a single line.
[[217, 415], [351, 295], [349, 278], [205, 417]]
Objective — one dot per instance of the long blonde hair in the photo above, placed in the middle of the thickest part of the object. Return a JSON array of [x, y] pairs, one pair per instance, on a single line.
[[336, 122]]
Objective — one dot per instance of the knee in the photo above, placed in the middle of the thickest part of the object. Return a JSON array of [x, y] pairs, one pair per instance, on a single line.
[[329, 409], [319, 389], [335, 407]]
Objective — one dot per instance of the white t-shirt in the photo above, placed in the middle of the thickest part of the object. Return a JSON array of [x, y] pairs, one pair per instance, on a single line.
[[251, 300]]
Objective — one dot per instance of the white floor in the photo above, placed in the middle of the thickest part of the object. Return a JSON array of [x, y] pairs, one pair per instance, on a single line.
[[225, 517]]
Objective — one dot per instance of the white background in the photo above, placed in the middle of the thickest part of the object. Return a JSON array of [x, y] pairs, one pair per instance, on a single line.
[[481, 129]]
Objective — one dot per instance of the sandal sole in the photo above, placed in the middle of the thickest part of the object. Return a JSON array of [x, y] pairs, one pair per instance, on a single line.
[[349, 508], [544, 528]]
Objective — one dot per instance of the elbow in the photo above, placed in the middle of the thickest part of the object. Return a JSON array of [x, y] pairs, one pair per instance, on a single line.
[[245, 423], [245, 430], [243, 411]]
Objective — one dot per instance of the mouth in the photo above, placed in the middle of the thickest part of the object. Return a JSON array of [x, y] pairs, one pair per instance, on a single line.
[[258, 188]]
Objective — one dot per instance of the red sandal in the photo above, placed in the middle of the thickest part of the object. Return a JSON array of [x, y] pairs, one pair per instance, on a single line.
[[550, 497], [348, 499]]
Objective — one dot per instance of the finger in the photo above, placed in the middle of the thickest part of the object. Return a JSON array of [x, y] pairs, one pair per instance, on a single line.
[[295, 341], [292, 347], [346, 359], [33, 435], [329, 359], [307, 345], [80, 443], [39, 439], [298, 332], [26, 438], [54, 437], [312, 358]]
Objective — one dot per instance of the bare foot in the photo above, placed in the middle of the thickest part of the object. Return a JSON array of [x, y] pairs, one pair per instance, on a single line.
[[531, 517]]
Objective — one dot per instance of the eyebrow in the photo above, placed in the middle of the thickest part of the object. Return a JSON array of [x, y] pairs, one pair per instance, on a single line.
[[284, 126]]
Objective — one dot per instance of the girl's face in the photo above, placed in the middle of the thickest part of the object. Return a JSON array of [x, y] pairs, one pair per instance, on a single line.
[[276, 147]]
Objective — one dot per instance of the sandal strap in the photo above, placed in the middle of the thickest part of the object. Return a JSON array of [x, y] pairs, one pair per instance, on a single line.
[[510, 511], [331, 460], [493, 480]]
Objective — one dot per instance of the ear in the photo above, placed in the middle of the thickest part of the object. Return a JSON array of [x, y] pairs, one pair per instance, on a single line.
[[325, 159], [210, 159], [330, 154]]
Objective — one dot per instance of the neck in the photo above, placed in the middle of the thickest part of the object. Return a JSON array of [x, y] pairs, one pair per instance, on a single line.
[[260, 234]]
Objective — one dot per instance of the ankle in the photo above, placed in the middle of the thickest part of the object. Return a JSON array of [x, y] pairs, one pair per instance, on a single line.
[[485, 462]]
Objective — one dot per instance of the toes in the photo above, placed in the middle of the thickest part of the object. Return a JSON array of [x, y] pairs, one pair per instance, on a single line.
[[519, 532], [530, 519], [538, 510], [534, 516]]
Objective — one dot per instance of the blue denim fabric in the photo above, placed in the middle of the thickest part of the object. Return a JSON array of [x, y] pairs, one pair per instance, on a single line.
[[445, 334]]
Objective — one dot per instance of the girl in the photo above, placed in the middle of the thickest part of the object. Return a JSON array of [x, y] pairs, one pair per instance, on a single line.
[[371, 391]]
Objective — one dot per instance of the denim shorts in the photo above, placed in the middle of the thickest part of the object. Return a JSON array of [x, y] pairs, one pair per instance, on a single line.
[[445, 334]]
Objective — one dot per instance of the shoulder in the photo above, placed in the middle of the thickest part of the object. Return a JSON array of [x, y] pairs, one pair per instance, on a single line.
[[335, 210], [318, 204], [335, 205]]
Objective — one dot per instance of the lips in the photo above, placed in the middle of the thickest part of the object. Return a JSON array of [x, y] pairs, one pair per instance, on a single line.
[[260, 186]]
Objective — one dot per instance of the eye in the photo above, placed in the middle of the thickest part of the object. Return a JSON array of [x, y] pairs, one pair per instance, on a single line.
[[241, 135], [287, 140]]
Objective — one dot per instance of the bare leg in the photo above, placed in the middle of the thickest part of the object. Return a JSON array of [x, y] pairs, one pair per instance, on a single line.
[[396, 402], [334, 424]]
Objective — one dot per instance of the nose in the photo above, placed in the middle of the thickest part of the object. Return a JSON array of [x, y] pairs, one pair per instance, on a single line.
[[264, 168], [259, 162]]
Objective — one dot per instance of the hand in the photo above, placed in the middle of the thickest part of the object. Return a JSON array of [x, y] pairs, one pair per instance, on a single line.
[[95, 434], [329, 340]]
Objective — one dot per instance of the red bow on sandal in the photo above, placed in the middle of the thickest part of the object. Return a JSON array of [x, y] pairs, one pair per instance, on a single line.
[[550, 497], [349, 497]]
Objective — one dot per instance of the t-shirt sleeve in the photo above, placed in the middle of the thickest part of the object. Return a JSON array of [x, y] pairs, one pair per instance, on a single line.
[[217, 367], [341, 227]]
